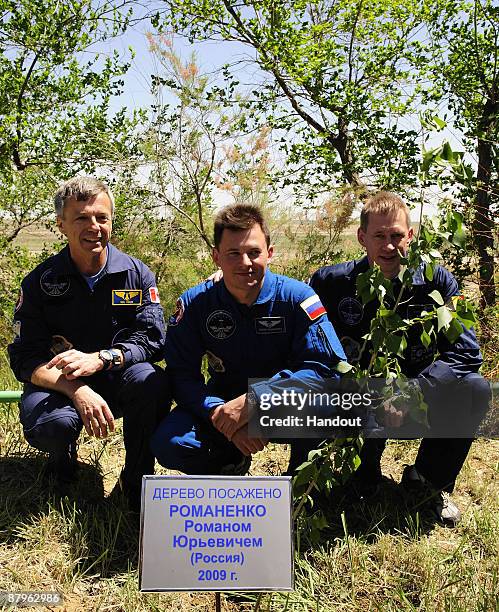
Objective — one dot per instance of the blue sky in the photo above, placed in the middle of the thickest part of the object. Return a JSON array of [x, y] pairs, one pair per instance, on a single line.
[[211, 56]]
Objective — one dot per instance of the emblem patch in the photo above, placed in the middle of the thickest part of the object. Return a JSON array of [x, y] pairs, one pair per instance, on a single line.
[[19, 302], [270, 325], [215, 363], [350, 311], [313, 307], [179, 313], [127, 297], [220, 325], [154, 295], [59, 345], [53, 284]]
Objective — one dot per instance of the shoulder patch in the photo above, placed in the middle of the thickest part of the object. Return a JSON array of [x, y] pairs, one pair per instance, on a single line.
[[178, 314], [313, 307], [154, 295], [127, 297]]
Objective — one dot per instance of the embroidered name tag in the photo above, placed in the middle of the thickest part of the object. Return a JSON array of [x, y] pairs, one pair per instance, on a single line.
[[270, 325], [127, 297]]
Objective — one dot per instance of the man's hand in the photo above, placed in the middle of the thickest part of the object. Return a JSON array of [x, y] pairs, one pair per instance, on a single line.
[[248, 446], [94, 411], [394, 416], [74, 364], [231, 416], [216, 277]]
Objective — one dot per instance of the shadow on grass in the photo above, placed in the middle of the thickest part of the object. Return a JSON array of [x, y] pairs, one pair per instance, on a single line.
[[391, 510], [101, 533]]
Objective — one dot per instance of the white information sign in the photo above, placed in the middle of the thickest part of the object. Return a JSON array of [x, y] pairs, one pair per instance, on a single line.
[[216, 533]]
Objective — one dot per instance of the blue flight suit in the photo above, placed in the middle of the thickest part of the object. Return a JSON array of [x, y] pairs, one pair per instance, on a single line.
[[273, 339], [57, 310], [439, 460]]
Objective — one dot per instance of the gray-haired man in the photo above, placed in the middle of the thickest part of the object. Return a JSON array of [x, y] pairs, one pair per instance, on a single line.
[[88, 325]]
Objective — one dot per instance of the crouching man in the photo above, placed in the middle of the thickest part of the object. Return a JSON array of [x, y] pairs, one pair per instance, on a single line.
[[253, 324], [385, 233], [88, 327]]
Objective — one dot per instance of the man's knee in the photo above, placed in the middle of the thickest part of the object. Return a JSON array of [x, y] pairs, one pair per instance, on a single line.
[[480, 390], [49, 420], [55, 433], [481, 394]]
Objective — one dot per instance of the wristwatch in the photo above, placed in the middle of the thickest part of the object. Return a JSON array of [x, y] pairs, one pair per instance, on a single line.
[[252, 400], [111, 359], [107, 357]]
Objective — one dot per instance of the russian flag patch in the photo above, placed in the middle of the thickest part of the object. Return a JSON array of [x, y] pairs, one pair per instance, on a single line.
[[313, 307], [154, 295]]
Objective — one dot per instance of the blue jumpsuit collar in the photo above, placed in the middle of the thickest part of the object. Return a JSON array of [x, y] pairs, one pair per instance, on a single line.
[[116, 261], [268, 288]]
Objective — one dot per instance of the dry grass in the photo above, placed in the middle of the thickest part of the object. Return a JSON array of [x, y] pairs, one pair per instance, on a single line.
[[383, 555], [37, 236], [83, 542]]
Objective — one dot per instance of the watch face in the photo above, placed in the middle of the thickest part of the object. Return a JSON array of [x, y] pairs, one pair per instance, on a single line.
[[106, 357]]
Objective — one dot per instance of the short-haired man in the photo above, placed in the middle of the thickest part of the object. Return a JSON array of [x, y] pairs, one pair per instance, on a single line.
[[88, 325], [385, 233], [251, 325]]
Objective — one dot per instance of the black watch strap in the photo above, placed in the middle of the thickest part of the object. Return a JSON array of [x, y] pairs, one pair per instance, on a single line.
[[118, 359]]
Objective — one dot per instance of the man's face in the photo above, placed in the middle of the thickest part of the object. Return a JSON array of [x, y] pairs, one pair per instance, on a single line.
[[87, 226], [385, 239], [243, 257]]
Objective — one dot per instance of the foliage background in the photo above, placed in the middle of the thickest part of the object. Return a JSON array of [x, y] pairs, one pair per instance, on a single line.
[[346, 97]]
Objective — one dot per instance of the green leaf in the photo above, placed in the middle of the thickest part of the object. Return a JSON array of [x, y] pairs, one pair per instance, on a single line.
[[425, 339], [459, 238], [342, 367], [437, 297], [444, 316], [305, 473], [428, 271], [377, 337], [454, 330], [395, 344]]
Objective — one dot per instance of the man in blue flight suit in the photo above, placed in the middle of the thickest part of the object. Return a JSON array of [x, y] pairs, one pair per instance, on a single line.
[[88, 325], [252, 324], [385, 233]]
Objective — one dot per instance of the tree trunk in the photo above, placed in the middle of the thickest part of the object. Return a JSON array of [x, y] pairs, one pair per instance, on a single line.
[[482, 228]]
